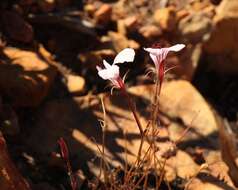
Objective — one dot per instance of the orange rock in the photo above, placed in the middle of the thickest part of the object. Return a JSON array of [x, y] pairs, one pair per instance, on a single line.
[[75, 84], [150, 31], [103, 14], [25, 79], [166, 18]]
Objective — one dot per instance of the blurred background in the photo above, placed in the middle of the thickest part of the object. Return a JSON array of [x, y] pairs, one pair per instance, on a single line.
[[49, 87]]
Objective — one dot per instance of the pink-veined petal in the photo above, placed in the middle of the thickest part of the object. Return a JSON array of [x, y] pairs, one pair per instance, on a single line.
[[176, 47], [126, 55], [155, 60]]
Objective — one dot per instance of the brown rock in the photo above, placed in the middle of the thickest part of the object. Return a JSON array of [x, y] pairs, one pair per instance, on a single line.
[[118, 41], [188, 61], [190, 107], [46, 5], [195, 27], [222, 42], [25, 2], [181, 165], [26, 78], [166, 18], [127, 25], [103, 14], [93, 58], [8, 120], [150, 31], [75, 84], [11, 179], [61, 4], [181, 14], [16, 27]]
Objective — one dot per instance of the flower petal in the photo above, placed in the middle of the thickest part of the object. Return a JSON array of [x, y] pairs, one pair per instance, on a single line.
[[126, 55], [154, 51], [176, 47], [98, 68], [106, 64], [155, 60], [110, 73]]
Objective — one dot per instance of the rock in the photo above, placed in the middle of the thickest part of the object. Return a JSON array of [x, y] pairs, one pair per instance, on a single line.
[[25, 78], [75, 84], [11, 179], [131, 22], [16, 27], [93, 58], [207, 183], [150, 31], [46, 5], [44, 186], [195, 27], [222, 42], [90, 9], [103, 14], [25, 2], [118, 41], [181, 165], [182, 14], [8, 120], [61, 4], [127, 25], [79, 124], [188, 61], [166, 18], [190, 107]]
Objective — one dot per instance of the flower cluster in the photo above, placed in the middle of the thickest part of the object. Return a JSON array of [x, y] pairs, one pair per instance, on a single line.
[[158, 55]]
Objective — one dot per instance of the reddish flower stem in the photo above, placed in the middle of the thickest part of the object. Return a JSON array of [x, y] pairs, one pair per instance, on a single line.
[[133, 110], [65, 156]]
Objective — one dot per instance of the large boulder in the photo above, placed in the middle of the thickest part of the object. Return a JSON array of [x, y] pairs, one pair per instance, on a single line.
[[223, 40], [25, 77]]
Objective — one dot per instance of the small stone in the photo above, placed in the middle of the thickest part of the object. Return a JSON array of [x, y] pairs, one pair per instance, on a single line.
[[150, 31], [120, 42], [182, 14], [75, 84], [93, 58], [131, 22], [103, 14], [46, 5], [90, 9], [166, 18], [128, 24]]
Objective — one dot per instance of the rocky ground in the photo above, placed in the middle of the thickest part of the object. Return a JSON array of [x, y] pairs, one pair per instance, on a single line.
[[49, 88]]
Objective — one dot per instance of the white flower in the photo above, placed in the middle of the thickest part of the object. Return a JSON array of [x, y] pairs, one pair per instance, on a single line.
[[158, 55], [111, 72]]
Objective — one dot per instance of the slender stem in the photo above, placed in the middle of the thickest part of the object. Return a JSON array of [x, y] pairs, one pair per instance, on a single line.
[[136, 117]]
